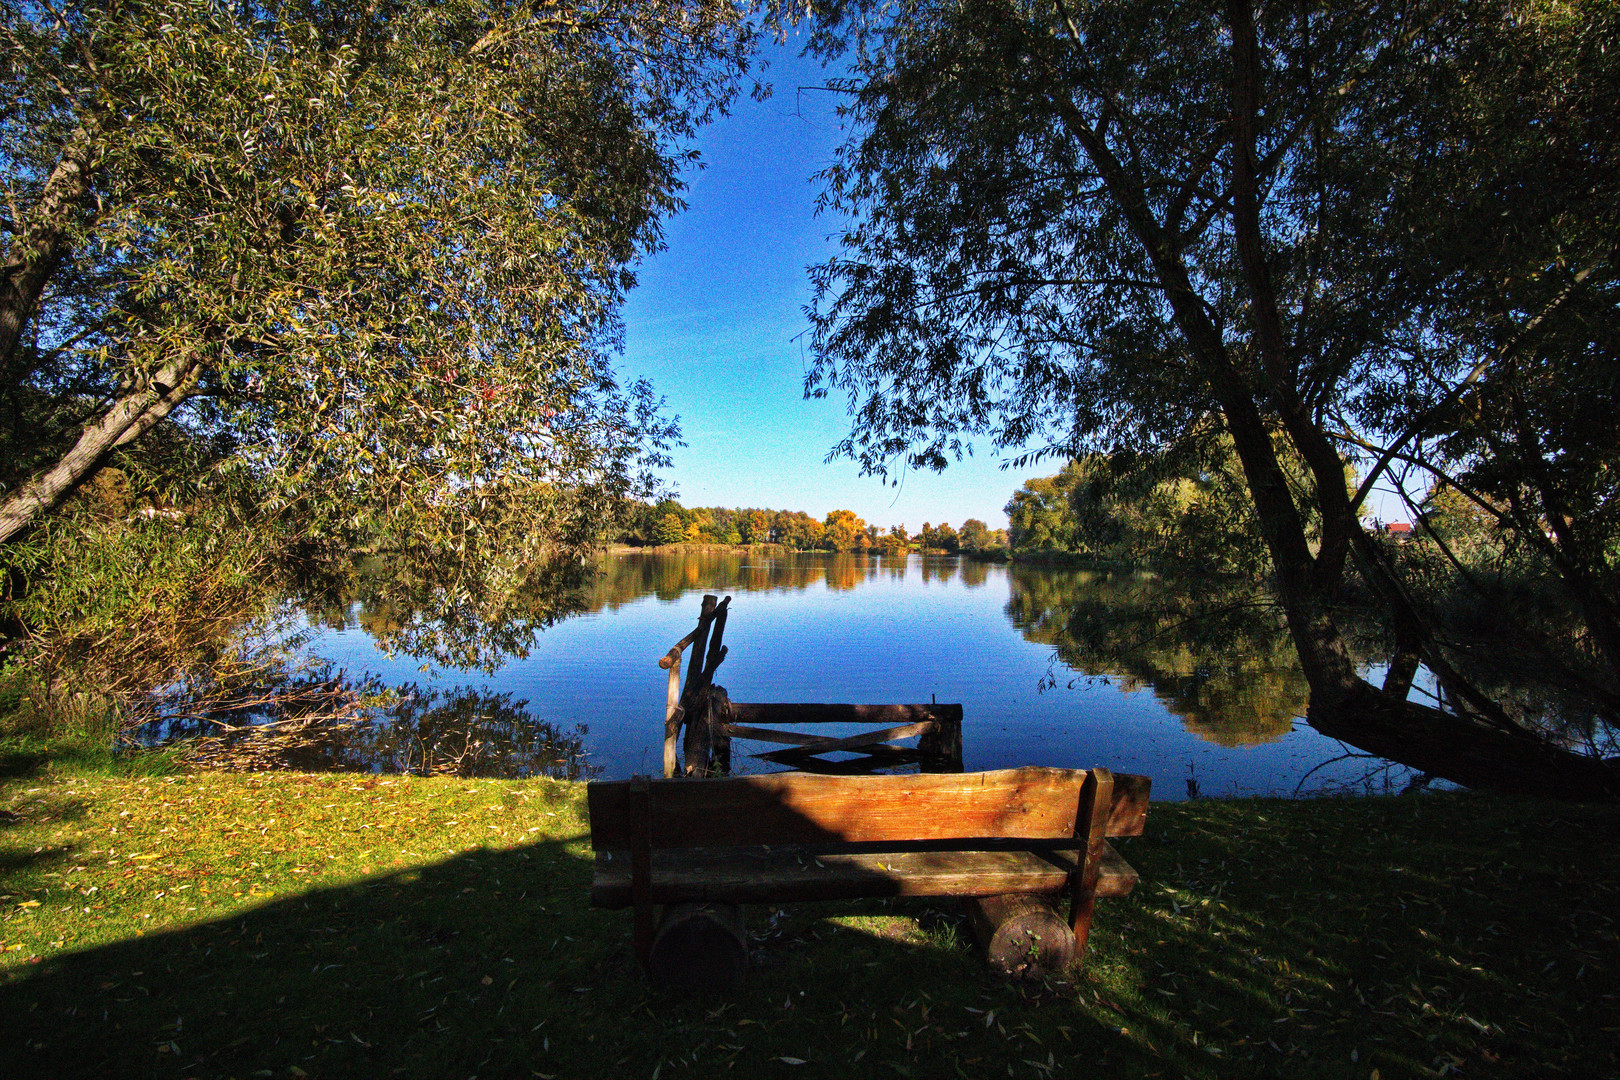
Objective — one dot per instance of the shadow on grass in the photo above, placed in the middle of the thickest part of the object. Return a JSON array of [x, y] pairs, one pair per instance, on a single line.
[[1456, 936], [485, 964], [1463, 935], [16, 764], [432, 971]]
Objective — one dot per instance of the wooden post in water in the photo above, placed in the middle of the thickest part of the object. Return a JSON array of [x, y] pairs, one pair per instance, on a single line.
[[691, 705], [719, 720], [672, 712], [941, 747]]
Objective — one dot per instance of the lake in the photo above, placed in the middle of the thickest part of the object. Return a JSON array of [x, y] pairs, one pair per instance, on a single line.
[[1182, 682]]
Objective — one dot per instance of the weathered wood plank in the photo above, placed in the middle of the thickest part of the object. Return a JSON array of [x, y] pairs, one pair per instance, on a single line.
[[785, 808], [798, 712], [761, 875], [1116, 876], [760, 734], [856, 742]]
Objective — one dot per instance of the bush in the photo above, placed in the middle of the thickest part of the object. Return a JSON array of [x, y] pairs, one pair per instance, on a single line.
[[112, 617]]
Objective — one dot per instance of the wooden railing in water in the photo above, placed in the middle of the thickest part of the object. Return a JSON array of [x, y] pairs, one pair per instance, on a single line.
[[712, 720]]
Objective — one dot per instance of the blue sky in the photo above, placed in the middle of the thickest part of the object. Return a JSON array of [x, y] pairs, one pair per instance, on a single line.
[[717, 325]]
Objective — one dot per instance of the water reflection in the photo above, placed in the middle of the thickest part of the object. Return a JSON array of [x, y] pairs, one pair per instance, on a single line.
[[472, 622], [324, 723], [1218, 657], [1187, 681], [627, 577]]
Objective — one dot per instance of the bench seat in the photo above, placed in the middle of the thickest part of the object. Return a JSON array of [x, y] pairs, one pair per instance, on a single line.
[[791, 837], [762, 874]]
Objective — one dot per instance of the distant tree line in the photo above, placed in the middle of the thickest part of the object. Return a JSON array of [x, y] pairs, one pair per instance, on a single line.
[[1183, 508], [668, 522]]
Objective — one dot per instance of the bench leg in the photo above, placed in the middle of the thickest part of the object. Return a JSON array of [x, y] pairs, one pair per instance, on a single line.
[[645, 928], [700, 950], [1080, 912], [1091, 821], [641, 866], [1022, 934]]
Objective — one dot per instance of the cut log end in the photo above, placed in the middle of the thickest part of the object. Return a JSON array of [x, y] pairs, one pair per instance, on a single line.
[[1022, 934], [701, 950]]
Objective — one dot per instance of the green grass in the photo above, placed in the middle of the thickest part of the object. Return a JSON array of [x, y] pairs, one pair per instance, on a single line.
[[290, 925]]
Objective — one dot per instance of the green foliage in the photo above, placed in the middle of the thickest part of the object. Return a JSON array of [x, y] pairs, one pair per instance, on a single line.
[[670, 530], [1187, 509], [383, 248], [843, 531], [975, 536], [1502, 211], [799, 530], [119, 615], [1086, 229], [939, 537], [371, 259]]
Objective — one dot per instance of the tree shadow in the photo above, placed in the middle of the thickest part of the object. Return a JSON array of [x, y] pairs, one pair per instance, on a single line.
[[426, 971], [1267, 939], [486, 964]]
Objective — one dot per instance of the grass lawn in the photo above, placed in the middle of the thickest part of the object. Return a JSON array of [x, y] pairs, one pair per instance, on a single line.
[[290, 925]]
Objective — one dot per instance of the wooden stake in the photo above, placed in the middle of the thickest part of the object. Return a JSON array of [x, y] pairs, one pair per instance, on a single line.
[[672, 715], [641, 865]]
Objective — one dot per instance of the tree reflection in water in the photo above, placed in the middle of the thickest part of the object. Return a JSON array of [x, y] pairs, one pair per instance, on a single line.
[[669, 575], [1216, 655], [318, 722]]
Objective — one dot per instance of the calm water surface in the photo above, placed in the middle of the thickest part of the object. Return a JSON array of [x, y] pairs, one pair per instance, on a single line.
[[1031, 655]]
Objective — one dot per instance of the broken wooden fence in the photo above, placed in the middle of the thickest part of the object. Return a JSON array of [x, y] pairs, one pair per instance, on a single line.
[[712, 720]]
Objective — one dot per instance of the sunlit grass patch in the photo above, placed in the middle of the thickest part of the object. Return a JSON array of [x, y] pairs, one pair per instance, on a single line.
[[112, 858]]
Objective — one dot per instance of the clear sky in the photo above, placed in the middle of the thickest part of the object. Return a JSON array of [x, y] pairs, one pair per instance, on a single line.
[[717, 325]]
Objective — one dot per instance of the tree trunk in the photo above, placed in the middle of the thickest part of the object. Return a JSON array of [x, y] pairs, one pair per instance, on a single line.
[[130, 417], [41, 242], [1462, 750]]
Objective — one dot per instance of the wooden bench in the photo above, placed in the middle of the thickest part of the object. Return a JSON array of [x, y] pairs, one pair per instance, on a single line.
[[788, 837]]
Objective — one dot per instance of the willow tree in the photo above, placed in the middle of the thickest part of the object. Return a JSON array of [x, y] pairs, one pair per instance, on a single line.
[[370, 251], [1090, 227]]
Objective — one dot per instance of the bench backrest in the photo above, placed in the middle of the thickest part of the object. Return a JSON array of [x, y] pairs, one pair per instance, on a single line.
[[806, 808]]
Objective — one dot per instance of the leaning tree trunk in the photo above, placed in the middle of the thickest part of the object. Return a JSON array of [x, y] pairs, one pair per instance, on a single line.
[[1343, 705], [1464, 751], [130, 417]]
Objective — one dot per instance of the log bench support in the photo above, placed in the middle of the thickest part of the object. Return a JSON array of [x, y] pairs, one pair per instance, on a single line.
[[792, 837]]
